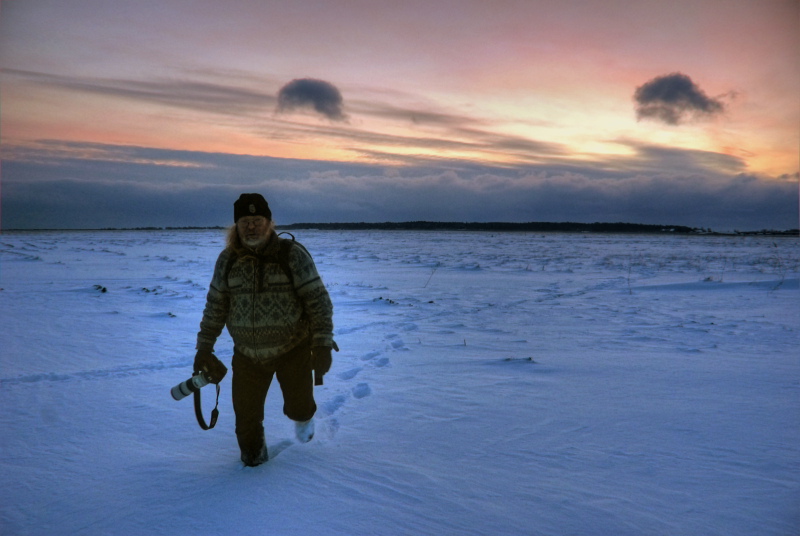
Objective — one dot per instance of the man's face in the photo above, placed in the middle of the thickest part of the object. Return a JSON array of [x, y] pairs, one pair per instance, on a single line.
[[253, 230]]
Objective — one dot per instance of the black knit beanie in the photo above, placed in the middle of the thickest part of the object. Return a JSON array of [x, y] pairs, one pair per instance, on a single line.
[[251, 205]]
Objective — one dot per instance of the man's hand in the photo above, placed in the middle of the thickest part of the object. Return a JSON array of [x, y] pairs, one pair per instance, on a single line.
[[322, 361], [207, 363]]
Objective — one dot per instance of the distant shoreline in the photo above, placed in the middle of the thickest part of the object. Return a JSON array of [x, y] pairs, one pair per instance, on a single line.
[[564, 227], [559, 227]]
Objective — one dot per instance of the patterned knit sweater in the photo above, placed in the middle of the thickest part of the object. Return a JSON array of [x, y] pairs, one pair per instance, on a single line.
[[266, 315]]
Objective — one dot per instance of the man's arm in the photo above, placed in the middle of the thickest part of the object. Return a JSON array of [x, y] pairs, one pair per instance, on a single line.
[[314, 296], [215, 313]]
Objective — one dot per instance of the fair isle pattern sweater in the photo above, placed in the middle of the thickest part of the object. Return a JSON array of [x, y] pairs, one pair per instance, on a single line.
[[265, 314]]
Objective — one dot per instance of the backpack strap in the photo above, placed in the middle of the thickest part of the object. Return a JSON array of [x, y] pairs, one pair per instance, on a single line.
[[229, 265], [293, 242], [286, 246]]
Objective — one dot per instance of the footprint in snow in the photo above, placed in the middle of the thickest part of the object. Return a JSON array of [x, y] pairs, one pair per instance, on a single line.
[[399, 344], [331, 426], [370, 355], [277, 448], [361, 390], [334, 404], [349, 374], [396, 342]]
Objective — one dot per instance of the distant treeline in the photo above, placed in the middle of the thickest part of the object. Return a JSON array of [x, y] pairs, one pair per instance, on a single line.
[[769, 232], [161, 228], [541, 227], [566, 227]]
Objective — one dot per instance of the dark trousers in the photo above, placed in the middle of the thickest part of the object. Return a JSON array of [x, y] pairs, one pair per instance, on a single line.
[[251, 381]]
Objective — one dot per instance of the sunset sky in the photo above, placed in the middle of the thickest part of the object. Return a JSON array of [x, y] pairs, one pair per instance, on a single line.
[[160, 112]]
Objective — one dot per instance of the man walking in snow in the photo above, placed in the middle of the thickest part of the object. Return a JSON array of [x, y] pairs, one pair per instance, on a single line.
[[267, 291]]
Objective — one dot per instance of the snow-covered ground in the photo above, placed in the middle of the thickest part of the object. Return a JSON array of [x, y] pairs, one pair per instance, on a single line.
[[488, 384]]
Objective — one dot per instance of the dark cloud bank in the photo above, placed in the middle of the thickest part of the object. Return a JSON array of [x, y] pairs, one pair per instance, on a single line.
[[120, 186]]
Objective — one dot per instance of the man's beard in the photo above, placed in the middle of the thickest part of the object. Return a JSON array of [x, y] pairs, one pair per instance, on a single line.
[[255, 242]]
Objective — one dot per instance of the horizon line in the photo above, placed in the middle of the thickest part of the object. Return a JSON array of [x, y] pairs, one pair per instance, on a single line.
[[425, 225]]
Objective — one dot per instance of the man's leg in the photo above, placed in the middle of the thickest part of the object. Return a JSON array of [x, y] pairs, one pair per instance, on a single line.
[[249, 390], [295, 376]]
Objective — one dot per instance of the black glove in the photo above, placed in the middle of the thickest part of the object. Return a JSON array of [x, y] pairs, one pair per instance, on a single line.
[[207, 363], [322, 361]]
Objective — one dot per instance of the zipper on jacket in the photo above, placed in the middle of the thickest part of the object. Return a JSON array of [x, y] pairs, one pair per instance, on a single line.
[[253, 313]]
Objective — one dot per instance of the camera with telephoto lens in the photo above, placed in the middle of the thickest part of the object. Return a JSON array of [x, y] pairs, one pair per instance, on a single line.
[[195, 383]]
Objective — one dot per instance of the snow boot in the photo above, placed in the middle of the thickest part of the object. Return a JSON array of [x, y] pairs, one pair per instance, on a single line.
[[304, 430], [251, 461]]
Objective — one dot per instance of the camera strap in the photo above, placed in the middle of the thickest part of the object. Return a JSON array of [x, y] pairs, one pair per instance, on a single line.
[[198, 411]]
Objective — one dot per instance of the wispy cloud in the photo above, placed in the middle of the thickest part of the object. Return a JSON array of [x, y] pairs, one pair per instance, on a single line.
[[405, 132], [651, 158], [204, 96], [384, 106]]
